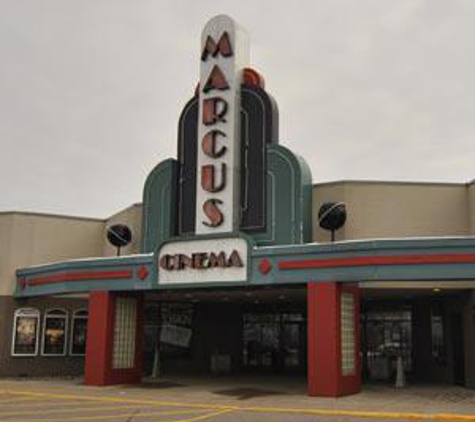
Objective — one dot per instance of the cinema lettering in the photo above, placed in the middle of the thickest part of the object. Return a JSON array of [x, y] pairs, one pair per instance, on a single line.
[[200, 260], [229, 247], [203, 260]]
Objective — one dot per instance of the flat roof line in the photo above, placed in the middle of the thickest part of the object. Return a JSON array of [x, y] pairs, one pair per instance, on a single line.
[[392, 182], [51, 215]]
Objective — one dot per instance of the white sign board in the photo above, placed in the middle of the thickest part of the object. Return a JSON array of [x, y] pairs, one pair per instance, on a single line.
[[224, 55], [203, 261]]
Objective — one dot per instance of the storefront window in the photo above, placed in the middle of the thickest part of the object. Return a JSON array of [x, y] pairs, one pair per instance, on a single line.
[[54, 333], [273, 340], [388, 335], [437, 333], [25, 332], [79, 333]]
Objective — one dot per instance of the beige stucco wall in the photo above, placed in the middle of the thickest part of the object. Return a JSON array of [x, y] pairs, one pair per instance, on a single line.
[[131, 217], [385, 209], [6, 226], [33, 239], [471, 206]]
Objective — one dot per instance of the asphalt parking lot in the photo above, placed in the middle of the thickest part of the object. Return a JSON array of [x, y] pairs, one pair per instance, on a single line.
[[69, 400]]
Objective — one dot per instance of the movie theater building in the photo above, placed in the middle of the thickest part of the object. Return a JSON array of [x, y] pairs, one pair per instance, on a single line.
[[230, 272]]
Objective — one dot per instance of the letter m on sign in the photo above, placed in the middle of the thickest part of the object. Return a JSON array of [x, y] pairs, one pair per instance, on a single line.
[[223, 47]]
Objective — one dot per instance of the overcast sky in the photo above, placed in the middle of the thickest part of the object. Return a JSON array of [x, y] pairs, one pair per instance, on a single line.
[[91, 91]]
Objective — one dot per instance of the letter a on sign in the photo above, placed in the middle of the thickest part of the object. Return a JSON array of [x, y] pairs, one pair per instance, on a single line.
[[223, 56]]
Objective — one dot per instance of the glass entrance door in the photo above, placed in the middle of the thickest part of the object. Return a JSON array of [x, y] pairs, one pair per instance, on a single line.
[[387, 334], [274, 342]]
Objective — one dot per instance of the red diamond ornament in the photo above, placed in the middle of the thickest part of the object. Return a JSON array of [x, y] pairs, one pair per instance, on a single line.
[[265, 266], [142, 272]]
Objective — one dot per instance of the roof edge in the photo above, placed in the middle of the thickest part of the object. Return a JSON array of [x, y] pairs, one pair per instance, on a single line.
[[51, 215], [393, 182]]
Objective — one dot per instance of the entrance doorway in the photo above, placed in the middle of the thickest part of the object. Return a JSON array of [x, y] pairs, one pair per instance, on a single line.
[[274, 342], [252, 331], [387, 335], [425, 327]]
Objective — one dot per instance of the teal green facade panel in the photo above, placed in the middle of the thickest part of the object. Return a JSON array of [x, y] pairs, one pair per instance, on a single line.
[[359, 261], [159, 211], [289, 199]]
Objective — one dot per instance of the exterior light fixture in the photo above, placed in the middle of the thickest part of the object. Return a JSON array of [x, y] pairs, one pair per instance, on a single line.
[[119, 235], [332, 216]]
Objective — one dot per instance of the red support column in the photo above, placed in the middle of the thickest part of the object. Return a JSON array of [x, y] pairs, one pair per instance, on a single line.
[[99, 368], [100, 337], [325, 376]]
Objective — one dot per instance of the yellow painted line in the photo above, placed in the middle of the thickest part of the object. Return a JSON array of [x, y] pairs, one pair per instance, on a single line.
[[116, 416], [451, 417], [39, 404], [109, 399], [203, 417], [17, 400], [75, 409], [43, 403]]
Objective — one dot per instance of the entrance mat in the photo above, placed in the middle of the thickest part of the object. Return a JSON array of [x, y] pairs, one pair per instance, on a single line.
[[245, 393]]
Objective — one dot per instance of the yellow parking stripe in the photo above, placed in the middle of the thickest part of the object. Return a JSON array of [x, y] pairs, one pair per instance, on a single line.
[[451, 417], [116, 416], [203, 417], [39, 404], [124, 400], [16, 400], [74, 409]]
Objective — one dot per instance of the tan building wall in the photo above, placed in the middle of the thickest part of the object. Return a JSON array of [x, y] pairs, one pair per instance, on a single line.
[[39, 239], [471, 206], [31, 239], [6, 273], [392, 209]]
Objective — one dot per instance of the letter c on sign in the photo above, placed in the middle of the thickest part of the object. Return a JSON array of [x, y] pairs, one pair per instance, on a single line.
[[166, 262], [209, 144]]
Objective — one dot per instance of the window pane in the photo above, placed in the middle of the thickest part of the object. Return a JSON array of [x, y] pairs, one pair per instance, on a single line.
[[78, 346], [25, 335], [54, 336]]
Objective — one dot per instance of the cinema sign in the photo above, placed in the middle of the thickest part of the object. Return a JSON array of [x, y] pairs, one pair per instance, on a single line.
[[224, 54], [203, 261]]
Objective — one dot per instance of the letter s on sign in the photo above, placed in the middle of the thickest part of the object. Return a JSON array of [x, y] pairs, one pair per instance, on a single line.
[[212, 211]]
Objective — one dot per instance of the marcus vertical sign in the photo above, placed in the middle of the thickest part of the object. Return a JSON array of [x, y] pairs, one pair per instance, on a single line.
[[224, 55]]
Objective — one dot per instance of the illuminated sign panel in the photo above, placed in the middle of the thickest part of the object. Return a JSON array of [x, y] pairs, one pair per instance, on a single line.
[[224, 55]]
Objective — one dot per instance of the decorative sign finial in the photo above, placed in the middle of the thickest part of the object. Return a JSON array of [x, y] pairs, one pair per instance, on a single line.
[[224, 55]]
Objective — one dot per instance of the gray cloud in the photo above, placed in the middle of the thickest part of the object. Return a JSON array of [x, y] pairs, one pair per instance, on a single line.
[[91, 91]]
